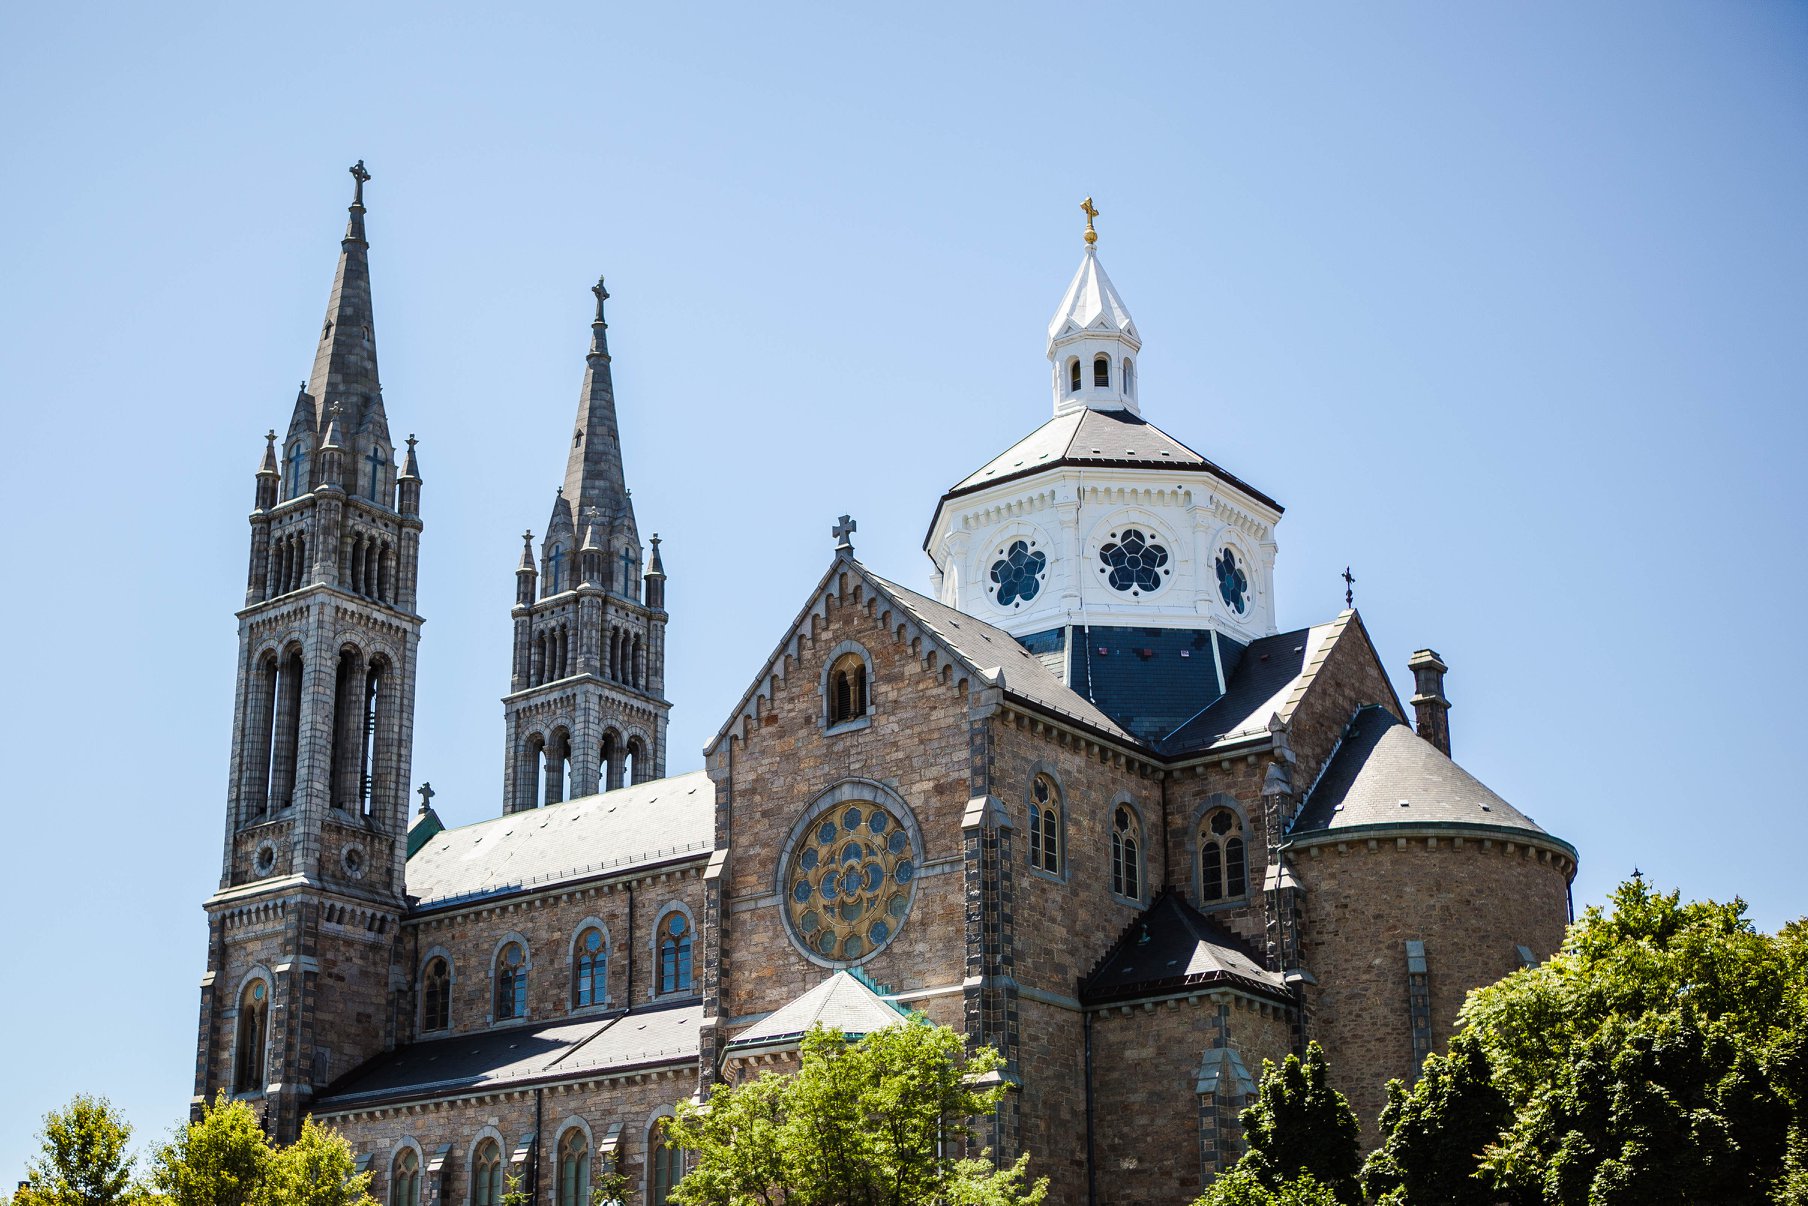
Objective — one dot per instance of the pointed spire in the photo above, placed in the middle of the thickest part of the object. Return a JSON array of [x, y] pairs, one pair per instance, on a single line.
[[269, 465], [527, 552], [595, 487], [345, 361], [526, 576], [1092, 340], [655, 567], [410, 466], [268, 475], [655, 577]]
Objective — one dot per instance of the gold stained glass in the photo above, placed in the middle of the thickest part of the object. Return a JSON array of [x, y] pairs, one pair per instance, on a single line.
[[848, 881]]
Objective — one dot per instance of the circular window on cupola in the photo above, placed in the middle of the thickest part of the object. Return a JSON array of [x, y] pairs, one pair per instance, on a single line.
[[1134, 562], [1233, 579], [1017, 572]]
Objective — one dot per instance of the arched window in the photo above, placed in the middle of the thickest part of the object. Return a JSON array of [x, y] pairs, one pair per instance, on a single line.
[[405, 1178], [1045, 825], [612, 761], [511, 982], [436, 995], [574, 1169], [665, 1165], [590, 975], [1126, 853], [486, 1174], [674, 952], [847, 689], [1129, 377], [1073, 376], [1101, 371], [635, 769], [1223, 863], [254, 1013]]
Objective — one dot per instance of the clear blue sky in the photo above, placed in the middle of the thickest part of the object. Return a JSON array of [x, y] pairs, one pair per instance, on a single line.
[[1505, 303]]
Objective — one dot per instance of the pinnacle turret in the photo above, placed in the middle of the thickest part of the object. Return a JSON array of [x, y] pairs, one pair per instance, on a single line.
[[595, 485]]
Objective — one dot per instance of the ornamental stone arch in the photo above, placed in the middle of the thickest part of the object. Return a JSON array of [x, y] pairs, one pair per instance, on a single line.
[[485, 1132], [1125, 800], [1194, 843], [1012, 577], [665, 910], [825, 693], [1043, 767], [1154, 556], [889, 866]]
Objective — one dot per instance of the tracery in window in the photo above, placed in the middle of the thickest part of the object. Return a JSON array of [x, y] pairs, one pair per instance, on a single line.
[[1233, 582], [511, 982], [405, 1179], [590, 980], [1133, 562], [1017, 574], [1223, 862], [1045, 825], [574, 1169], [436, 995], [1126, 853], [675, 953], [665, 1166], [849, 877], [847, 688], [254, 1013], [486, 1174]]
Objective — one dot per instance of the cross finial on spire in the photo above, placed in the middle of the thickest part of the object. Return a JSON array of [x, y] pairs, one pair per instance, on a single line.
[[602, 295], [426, 793], [359, 176], [1349, 587], [270, 436], [1091, 211], [843, 533]]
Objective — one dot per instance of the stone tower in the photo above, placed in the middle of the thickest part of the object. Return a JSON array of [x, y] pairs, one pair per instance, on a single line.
[[303, 927], [586, 708]]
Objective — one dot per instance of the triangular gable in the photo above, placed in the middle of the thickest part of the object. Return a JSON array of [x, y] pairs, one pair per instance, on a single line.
[[845, 1002]]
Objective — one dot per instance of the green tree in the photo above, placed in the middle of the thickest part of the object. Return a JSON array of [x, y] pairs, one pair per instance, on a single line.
[[1241, 1187], [1434, 1135], [318, 1169], [880, 1122], [218, 1160], [1300, 1124], [1659, 1058], [83, 1161]]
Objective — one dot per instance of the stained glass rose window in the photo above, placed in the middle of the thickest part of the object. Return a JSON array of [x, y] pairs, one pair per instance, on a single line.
[[848, 881], [1133, 562], [1017, 574]]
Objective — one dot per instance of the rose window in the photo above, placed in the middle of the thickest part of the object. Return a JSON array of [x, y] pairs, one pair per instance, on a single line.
[[1233, 583], [1017, 575], [848, 882], [1133, 563]]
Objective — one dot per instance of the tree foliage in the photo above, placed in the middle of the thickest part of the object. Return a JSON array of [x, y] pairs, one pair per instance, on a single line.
[[1434, 1134], [1241, 1187], [318, 1169], [879, 1122], [83, 1161], [217, 1160], [1300, 1124], [1661, 1057]]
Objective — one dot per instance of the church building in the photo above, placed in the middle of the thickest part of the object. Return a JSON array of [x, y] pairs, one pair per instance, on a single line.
[[1079, 799]]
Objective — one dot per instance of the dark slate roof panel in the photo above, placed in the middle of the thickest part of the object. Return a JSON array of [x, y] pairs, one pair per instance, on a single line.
[[1172, 947], [1385, 774], [490, 1059], [1150, 680], [1101, 438], [1259, 685], [1025, 677], [594, 835]]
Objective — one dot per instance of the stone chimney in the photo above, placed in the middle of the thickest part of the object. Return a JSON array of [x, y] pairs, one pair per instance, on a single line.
[[1431, 709]]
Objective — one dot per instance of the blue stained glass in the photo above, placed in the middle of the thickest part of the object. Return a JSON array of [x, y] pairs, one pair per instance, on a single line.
[[809, 922], [880, 932], [851, 910], [853, 853], [831, 885], [826, 832], [905, 872], [1133, 562], [807, 860], [1018, 574], [899, 842], [825, 942], [898, 907], [853, 946], [850, 820], [1233, 583], [877, 822], [875, 875], [801, 892]]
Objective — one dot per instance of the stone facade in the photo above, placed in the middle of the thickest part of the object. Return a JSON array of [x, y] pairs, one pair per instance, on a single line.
[[1135, 905]]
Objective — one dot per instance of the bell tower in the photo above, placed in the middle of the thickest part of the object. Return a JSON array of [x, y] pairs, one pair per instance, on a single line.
[[303, 928], [586, 708]]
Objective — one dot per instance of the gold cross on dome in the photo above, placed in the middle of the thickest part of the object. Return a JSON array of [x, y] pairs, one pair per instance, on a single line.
[[1091, 211]]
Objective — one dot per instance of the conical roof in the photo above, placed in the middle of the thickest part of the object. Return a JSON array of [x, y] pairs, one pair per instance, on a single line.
[[1092, 305]]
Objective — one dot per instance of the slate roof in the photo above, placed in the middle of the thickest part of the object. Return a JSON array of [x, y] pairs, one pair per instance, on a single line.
[[563, 1049], [1172, 947], [593, 835], [842, 1001], [985, 647], [1385, 774], [1264, 680], [1114, 438]]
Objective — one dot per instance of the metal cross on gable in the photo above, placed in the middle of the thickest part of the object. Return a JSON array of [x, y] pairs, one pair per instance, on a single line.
[[1349, 588], [842, 532], [426, 793]]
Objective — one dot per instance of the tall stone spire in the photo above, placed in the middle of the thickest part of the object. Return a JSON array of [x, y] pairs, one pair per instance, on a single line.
[[345, 361], [595, 486]]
